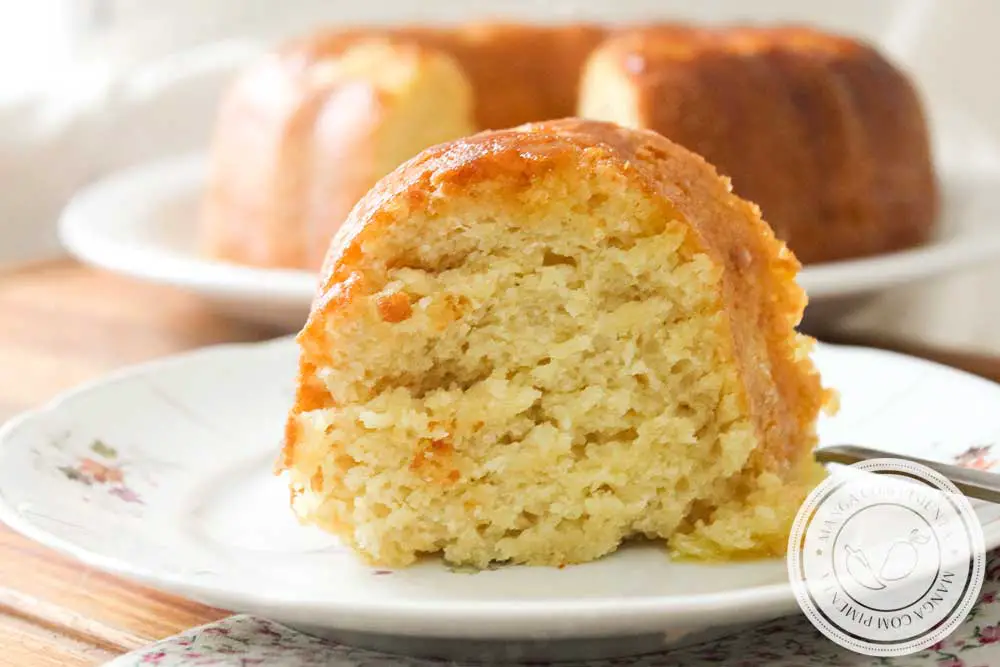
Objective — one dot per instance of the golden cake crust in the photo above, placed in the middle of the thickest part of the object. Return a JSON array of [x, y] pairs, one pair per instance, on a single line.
[[519, 72], [762, 300], [300, 139], [821, 131]]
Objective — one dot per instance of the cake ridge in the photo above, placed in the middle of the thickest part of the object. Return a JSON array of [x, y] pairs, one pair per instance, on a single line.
[[832, 143]]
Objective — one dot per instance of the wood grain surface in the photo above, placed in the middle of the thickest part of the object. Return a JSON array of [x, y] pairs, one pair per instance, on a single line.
[[62, 324]]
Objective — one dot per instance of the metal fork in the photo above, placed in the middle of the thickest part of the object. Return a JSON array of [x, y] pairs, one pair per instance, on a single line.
[[974, 483]]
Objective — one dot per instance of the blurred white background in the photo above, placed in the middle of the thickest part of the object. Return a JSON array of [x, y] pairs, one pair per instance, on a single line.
[[89, 86]]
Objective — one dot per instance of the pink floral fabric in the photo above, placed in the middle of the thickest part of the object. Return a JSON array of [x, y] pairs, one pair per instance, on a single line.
[[243, 641]]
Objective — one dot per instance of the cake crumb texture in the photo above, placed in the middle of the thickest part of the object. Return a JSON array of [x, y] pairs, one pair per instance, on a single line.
[[533, 344]]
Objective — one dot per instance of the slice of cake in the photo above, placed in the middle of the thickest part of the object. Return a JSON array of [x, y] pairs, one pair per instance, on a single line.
[[299, 140], [533, 344]]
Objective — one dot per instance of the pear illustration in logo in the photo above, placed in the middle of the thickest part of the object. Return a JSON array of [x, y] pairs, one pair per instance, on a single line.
[[900, 562], [902, 558]]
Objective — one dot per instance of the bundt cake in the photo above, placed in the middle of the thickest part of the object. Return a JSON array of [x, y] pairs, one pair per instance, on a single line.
[[819, 130], [519, 72], [533, 344], [300, 140], [825, 135]]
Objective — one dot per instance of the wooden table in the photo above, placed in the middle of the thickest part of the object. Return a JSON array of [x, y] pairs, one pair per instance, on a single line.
[[61, 324]]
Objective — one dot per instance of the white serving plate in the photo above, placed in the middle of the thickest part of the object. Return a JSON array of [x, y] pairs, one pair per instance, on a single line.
[[162, 473], [143, 222]]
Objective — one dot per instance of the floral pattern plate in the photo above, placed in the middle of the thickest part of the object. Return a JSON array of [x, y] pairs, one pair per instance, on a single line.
[[162, 473]]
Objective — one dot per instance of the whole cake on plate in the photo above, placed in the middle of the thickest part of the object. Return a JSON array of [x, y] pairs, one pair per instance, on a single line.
[[821, 131], [533, 344]]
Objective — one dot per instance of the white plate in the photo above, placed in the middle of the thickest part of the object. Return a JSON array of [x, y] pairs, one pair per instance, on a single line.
[[162, 473], [143, 222]]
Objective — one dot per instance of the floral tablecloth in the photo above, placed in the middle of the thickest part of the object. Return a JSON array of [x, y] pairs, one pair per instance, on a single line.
[[243, 641]]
